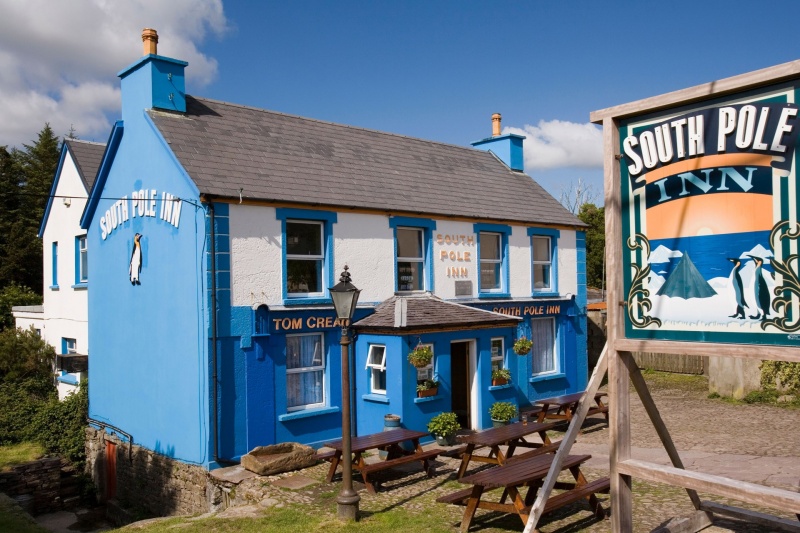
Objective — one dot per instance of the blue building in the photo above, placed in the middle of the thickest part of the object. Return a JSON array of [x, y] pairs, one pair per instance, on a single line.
[[216, 230]]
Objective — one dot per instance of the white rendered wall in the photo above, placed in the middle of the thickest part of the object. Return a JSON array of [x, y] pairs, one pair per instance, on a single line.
[[65, 309], [567, 263], [519, 262], [25, 320], [366, 244], [255, 256], [455, 257]]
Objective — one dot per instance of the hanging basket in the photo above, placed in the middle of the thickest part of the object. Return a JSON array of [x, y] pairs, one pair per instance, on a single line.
[[523, 346], [421, 356]]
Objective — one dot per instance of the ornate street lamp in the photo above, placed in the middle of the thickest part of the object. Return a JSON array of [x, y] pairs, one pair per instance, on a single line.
[[345, 297]]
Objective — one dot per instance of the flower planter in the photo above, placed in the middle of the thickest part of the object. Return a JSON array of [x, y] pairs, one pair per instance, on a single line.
[[426, 393], [499, 423], [449, 440], [499, 381]]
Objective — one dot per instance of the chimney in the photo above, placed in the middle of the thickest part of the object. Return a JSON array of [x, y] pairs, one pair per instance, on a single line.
[[152, 82], [496, 119], [507, 148], [150, 40]]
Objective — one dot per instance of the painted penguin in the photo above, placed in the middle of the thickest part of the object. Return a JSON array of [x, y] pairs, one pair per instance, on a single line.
[[761, 289], [738, 287], [136, 260]]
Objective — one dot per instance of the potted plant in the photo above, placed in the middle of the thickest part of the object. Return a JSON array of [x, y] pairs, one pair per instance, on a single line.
[[523, 345], [427, 387], [421, 356], [502, 412], [444, 427], [500, 376]]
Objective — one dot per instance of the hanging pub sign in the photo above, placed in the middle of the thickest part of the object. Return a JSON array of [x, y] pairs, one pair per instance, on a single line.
[[710, 220]]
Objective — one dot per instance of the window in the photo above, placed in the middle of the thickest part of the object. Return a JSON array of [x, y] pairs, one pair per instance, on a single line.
[[304, 258], [410, 260], [491, 262], [55, 266], [68, 346], [543, 335], [305, 372], [426, 372], [81, 260], [544, 254], [376, 362], [262, 320], [498, 354]]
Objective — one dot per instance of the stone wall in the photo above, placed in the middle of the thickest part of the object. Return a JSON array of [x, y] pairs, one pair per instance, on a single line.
[[147, 483], [35, 485]]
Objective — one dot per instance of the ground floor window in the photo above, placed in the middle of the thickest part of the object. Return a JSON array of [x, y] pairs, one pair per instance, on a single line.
[[305, 372], [543, 335], [376, 362], [498, 354]]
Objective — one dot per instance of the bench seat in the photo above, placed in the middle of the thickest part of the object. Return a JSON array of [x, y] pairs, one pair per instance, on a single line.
[[383, 465], [565, 498]]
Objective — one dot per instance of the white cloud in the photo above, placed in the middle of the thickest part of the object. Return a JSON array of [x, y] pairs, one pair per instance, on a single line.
[[59, 60], [557, 143]]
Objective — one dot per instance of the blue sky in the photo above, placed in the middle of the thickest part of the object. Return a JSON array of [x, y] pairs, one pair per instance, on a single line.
[[430, 69]]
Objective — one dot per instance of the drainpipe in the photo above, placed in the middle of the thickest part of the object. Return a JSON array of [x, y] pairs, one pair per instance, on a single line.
[[214, 386]]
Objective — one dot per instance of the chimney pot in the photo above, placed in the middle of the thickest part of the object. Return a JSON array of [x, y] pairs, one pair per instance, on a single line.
[[150, 41], [496, 118]]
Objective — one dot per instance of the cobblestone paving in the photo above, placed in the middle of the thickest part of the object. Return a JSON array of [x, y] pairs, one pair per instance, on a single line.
[[695, 422]]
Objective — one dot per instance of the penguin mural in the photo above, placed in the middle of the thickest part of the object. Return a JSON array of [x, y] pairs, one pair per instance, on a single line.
[[761, 289], [738, 287], [136, 260]]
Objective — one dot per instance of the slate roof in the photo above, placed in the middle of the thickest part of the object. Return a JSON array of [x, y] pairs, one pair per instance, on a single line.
[[87, 156], [228, 148], [424, 312]]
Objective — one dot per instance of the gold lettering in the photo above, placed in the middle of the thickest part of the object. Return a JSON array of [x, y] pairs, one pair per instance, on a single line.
[[439, 238], [470, 239], [286, 323], [320, 322], [310, 322], [467, 256], [443, 254], [464, 272], [329, 322], [447, 239], [297, 323], [452, 255], [276, 322]]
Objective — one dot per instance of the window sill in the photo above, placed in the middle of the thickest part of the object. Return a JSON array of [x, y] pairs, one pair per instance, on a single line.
[[545, 294], [487, 295], [307, 301], [53, 287], [500, 387], [260, 335], [68, 379], [81, 286], [426, 399], [547, 377], [379, 398], [306, 413]]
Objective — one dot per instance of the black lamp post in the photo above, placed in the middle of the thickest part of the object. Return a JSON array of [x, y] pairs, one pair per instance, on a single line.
[[345, 297]]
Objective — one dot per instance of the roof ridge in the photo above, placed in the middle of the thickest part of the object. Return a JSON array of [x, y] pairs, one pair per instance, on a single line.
[[341, 125], [84, 142]]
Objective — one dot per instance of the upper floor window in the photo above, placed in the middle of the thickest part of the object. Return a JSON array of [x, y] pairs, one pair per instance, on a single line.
[[410, 259], [69, 346], [304, 257], [498, 354], [305, 372], [54, 283], [493, 256], [544, 252], [82, 258], [307, 248], [376, 362], [543, 335]]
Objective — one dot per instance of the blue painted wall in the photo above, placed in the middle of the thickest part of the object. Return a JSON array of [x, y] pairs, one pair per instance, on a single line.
[[149, 366]]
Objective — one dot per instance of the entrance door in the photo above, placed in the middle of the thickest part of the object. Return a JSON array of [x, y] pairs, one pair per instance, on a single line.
[[461, 382], [111, 470]]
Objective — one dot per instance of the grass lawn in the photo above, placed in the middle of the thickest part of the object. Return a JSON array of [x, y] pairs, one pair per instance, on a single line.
[[14, 520], [17, 454]]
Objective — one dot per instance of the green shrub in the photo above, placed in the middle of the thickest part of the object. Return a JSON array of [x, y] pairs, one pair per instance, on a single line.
[[761, 396], [502, 411], [21, 402], [783, 373], [60, 425], [23, 354], [12, 295], [444, 425]]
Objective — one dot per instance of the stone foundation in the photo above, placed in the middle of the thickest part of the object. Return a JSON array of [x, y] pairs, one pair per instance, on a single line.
[[147, 483], [35, 485]]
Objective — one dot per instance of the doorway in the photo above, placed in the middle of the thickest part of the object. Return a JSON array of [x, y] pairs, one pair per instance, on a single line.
[[461, 377]]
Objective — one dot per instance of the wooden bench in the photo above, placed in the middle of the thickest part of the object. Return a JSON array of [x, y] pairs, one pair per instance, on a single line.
[[326, 455], [563, 407], [390, 463], [456, 498], [584, 491]]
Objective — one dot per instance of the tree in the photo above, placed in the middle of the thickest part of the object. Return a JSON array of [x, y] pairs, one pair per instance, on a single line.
[[24, 355], [575, 194], [595, 243], [12, 295]]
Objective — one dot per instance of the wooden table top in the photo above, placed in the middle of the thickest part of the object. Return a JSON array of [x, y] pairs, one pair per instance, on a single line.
[[566, 399], [377, 440], [499, 435], [520, 472]]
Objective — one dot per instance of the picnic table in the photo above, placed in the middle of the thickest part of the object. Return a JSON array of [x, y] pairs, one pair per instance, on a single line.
[[520, 472], [388, 441], [563, 407], [512, 435]]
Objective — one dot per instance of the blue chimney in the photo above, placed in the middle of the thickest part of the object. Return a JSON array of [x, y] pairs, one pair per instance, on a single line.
[[508, 147], [153, 81]]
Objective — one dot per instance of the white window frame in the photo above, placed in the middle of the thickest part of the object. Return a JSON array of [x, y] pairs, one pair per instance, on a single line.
[[376, 369], [70, 346], [83, 259], [498, 261], [556, 359], [296, 257], [321, 367], [499, 359], [404, 259], [426, 372], [550, 287]]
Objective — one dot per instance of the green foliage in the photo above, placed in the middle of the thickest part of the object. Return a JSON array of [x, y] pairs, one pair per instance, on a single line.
[[21, 401], [421, 356], [502, 411], [761, 396], [522, 346], [444, 425], [60, 425], [12, 295], [501, 373], [595, 242], [427, 384], [781, 376], [23, 354]]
